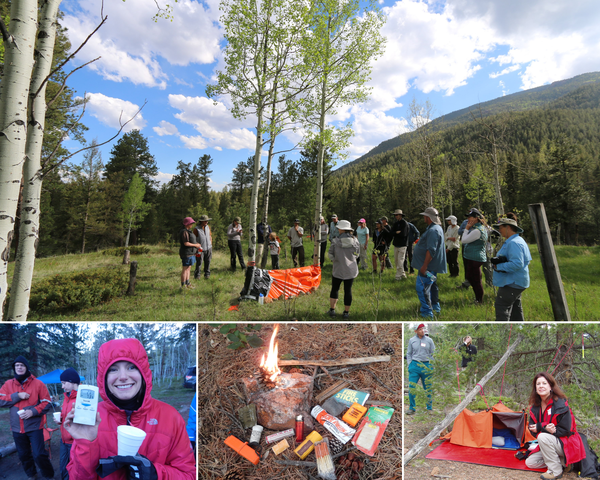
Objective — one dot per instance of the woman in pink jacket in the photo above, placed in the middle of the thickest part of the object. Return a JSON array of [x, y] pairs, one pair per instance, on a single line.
[[125, 384]]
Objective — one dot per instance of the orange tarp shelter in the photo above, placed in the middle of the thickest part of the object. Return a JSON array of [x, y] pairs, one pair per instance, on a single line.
[[475, 429]]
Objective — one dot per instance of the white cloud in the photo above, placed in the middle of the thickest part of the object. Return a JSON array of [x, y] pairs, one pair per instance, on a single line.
[[165, 128], [215, 123], [114, 111], [506, 71], [131, 43], [162, 177], [371, 128]]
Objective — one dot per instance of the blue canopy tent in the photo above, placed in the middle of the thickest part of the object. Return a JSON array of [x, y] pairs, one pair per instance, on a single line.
[[54, 377]]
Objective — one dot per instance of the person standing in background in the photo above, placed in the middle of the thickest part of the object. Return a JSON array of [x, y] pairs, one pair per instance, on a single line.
[[419, 355], [323, 242], [452, 246], [204, 237], [295, 235], [400, 242], [362, 233], [234, 240], [70, 381]]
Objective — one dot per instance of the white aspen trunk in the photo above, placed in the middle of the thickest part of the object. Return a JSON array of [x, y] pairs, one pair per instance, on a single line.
[[256, 183], [319, 193], [499, 202], [265, 257], [27, 148]]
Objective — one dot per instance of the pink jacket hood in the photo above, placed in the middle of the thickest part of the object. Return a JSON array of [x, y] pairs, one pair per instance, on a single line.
[[125, 349]]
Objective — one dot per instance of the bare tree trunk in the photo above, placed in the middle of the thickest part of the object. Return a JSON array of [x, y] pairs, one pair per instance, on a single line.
[[32, 187], [250, 261], [14, 89], [421, 444], [265, 257]]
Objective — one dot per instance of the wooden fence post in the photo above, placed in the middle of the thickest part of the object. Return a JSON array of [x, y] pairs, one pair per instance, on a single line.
[[132, 278], [549, 263]]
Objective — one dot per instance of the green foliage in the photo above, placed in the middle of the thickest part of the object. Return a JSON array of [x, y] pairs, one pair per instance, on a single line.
[[132, 155], [241, 337], [134, 209], [133, 250], [78, 291]]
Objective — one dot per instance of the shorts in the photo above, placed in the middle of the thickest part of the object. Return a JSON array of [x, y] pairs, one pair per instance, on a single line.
[[188, 261]]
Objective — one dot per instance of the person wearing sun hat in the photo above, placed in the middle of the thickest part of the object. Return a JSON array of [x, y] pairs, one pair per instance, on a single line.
[[204, 236], [429, 258], [400, 241], [362, 233], [343, 252], [295, 235], [511, 270], [419, 354], [188, 247], [234, 241]]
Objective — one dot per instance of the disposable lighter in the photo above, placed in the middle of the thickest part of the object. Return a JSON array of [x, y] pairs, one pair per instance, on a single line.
[[242, 448]]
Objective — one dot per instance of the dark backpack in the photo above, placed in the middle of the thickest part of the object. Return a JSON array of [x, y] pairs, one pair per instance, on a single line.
[[588, 467]]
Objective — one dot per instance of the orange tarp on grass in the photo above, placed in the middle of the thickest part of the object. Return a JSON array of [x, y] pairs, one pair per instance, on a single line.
[[294, 281], [475, 429]]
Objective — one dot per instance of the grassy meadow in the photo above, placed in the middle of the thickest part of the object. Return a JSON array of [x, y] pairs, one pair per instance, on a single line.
[[375, 298]]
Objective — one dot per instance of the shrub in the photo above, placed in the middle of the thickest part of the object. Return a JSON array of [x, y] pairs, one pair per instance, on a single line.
[[133, 250], [76, 291]]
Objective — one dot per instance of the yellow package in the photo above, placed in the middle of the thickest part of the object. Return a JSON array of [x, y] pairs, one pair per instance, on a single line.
[[281, 447], [308, 445]]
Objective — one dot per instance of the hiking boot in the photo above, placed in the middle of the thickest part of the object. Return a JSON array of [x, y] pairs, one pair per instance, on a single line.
[[331, 312], [550, 476], [345, 315], [410, 412], [568, 469], [190, 286]]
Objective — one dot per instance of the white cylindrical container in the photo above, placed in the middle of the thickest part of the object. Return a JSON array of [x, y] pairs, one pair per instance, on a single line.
[[256, 434]]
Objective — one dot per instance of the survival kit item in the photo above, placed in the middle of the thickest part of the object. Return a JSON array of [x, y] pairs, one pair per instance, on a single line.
[[308, 445], [339, 429], [371, 429], [242, 448]]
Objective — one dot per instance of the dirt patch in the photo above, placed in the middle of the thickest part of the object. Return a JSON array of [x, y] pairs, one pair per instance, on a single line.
[[220, 395], [419, 425]]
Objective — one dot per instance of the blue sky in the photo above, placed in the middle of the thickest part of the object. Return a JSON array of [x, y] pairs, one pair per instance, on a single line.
[[453, 52]]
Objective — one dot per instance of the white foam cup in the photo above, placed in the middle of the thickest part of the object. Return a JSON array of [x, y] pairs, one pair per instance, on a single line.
[[20, 413], [130, 439], [56, 417]]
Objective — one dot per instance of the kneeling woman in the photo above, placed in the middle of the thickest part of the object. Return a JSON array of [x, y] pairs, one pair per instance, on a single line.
[[553, 423], [125, 384]]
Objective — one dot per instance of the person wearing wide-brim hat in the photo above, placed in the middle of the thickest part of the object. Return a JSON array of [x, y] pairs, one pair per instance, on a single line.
[[204, 236], [188, 247], [475, 238], [429, 258], [511, 270], [343, 252], [400, 232], [295, 234]]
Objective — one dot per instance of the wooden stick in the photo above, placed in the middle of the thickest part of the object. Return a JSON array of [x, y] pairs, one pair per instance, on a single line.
[[295, 463], [333, 363], [421, 444]]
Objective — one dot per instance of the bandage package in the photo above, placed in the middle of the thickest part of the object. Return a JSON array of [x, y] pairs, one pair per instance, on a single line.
[[371, 429]]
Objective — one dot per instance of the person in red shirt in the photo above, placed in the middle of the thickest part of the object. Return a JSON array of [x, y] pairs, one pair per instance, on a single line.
[[28, 400], [70, 381], [553, 424], [125, 385]]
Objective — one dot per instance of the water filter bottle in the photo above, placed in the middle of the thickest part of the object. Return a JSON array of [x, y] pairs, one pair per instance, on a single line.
[[261, 299], [431, 276]]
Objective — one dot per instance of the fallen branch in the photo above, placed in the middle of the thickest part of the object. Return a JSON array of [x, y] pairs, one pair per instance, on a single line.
[[421, 444], [334, 363]]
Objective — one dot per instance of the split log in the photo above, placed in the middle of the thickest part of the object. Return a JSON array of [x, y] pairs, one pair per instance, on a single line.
[[335, 363], [421, 444], [5, 451]]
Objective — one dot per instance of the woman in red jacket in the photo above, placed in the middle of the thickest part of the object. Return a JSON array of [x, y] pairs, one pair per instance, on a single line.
[[70, 381], [125, 384], [553, 423]]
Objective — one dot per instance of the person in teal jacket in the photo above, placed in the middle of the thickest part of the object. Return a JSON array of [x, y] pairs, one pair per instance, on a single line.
[[419, 354], [474, 239], [511, 270]]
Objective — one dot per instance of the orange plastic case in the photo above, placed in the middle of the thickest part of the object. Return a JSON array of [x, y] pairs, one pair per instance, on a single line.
[[354, 414], [243, 449]]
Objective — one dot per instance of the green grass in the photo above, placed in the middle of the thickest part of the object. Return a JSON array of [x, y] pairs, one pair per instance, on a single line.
[[159, 297]]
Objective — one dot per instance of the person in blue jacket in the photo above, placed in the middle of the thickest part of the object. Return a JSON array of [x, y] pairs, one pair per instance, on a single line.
[[192, 423], [429, 258], [511, 271]]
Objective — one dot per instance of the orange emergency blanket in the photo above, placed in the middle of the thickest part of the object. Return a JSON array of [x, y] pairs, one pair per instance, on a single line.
[[294, 281]]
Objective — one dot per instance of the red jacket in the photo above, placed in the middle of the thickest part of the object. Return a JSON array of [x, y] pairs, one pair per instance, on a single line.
[[166, 445], [66, 408], [559, 413], [38, 402]]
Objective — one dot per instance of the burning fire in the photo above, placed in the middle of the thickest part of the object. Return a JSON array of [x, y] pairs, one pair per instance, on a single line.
[[269, 365]]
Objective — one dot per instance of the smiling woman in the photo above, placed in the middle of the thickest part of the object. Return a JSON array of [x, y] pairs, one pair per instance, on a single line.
[[125, 385]]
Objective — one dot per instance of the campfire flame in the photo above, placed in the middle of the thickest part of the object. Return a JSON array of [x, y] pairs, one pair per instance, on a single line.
[[269, 365]]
